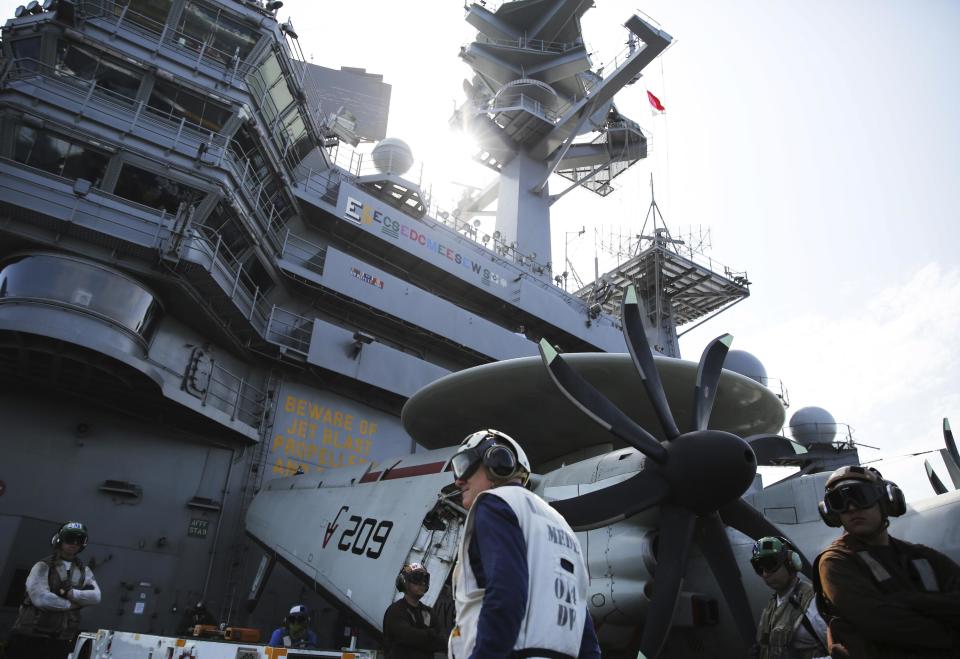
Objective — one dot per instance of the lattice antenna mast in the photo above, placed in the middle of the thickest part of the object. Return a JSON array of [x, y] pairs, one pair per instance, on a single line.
[[660, 234]]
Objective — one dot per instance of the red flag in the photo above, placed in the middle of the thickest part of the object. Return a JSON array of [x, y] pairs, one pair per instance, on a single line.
[[655, 102]]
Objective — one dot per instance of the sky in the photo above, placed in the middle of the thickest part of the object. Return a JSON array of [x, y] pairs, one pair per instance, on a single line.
[[818, 143], [816, 140]]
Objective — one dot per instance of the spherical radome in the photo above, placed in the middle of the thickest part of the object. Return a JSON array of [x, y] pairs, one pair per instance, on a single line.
[[392, 156], [813, 425], [744, 363]]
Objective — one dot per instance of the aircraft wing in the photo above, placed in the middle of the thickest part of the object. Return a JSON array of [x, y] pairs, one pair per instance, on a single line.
[[350, 531]]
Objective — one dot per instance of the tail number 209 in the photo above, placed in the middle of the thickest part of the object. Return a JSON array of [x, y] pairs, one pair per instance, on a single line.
[[365, 535]]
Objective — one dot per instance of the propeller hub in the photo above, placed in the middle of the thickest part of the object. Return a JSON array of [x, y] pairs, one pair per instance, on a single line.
[[707, 469]]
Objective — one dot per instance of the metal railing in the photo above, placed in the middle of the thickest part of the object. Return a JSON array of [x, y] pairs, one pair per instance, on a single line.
[[325, 183], [234, 395], [520, 101], [121, 112], [838, 434], [205, 248], [116, 15], [301, 251], [289, 330], [149, 225], [555, 47], [127, 114]]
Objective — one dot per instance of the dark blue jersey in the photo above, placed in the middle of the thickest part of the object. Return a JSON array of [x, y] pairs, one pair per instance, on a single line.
[[498, 557]]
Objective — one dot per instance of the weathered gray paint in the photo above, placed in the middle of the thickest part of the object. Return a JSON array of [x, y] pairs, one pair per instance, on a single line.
[[334, 348], [352, 277]]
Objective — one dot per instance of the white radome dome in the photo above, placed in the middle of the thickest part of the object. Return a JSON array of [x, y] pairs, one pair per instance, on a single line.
[[392, 156], [813, 425], [744, 363]]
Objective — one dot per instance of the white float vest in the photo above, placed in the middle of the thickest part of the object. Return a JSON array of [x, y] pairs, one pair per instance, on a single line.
[[557, 588]]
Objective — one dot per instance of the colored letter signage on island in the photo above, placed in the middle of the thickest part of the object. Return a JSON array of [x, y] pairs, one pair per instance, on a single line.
[[315, 430]]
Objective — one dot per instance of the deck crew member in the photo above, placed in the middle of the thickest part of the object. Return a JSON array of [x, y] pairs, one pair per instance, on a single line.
[[196, 615], [883, 597], [57, 588], [521, 578], [790, 625], [294, 633], [410, 628]]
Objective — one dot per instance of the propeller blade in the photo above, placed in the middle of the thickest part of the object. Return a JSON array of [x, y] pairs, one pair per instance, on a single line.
[[708, 377], [673, 549], [612, 504], [715, 546], [632, 316], [948, 440], [749, 521], [950, 456], [935, 481], [597, 406], [770, 447]]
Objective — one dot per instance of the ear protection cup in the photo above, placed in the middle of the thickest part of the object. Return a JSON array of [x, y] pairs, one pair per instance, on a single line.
[[894, 503], [829, 518], [56, 540], [790, 556], [401, 582], [500, 462]]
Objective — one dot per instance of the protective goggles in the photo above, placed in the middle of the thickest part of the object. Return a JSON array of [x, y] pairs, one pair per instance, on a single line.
[[465, 463], [418, 577], [766, 564], [861, 495], [72, 538], [297, 618]]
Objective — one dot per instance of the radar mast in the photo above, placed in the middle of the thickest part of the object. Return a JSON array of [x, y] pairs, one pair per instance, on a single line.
[[536, 107]]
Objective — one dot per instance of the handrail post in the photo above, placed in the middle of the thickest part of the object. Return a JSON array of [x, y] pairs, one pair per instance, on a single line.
[[253, 304], [236, 282], [86, 99], [176, 140], [120, 19], [236, 402]]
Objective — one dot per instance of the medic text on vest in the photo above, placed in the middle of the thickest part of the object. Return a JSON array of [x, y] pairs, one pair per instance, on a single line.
[[560, 537]]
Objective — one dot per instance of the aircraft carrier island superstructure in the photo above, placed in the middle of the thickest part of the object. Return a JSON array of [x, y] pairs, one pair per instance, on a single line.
[[194, 296]]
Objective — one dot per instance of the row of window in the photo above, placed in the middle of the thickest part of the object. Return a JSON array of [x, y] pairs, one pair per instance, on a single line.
[[200, 27], [80, 284], [74, 159], [123, 84]]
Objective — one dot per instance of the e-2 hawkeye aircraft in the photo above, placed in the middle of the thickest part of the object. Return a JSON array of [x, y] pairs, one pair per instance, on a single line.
[[667, 518]]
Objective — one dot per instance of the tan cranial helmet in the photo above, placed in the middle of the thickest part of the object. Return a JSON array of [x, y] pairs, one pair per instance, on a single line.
[[861, 487]]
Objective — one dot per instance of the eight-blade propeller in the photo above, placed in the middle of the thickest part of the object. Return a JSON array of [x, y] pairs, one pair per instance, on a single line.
[[696, 478], [951, 460]]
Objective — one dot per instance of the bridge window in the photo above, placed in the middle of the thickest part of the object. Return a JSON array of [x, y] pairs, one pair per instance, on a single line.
[[83, 285], [27, 52], [153, 190], [149, 14], [227, 41], [224, 223], [268, 86], [108, 73], [59, 155], [173, 101]]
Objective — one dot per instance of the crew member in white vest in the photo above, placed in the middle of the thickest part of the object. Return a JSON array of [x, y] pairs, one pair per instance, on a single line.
[[521, 578]]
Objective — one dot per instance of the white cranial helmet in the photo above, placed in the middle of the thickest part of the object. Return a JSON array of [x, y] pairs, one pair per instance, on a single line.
[[503, 457]]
